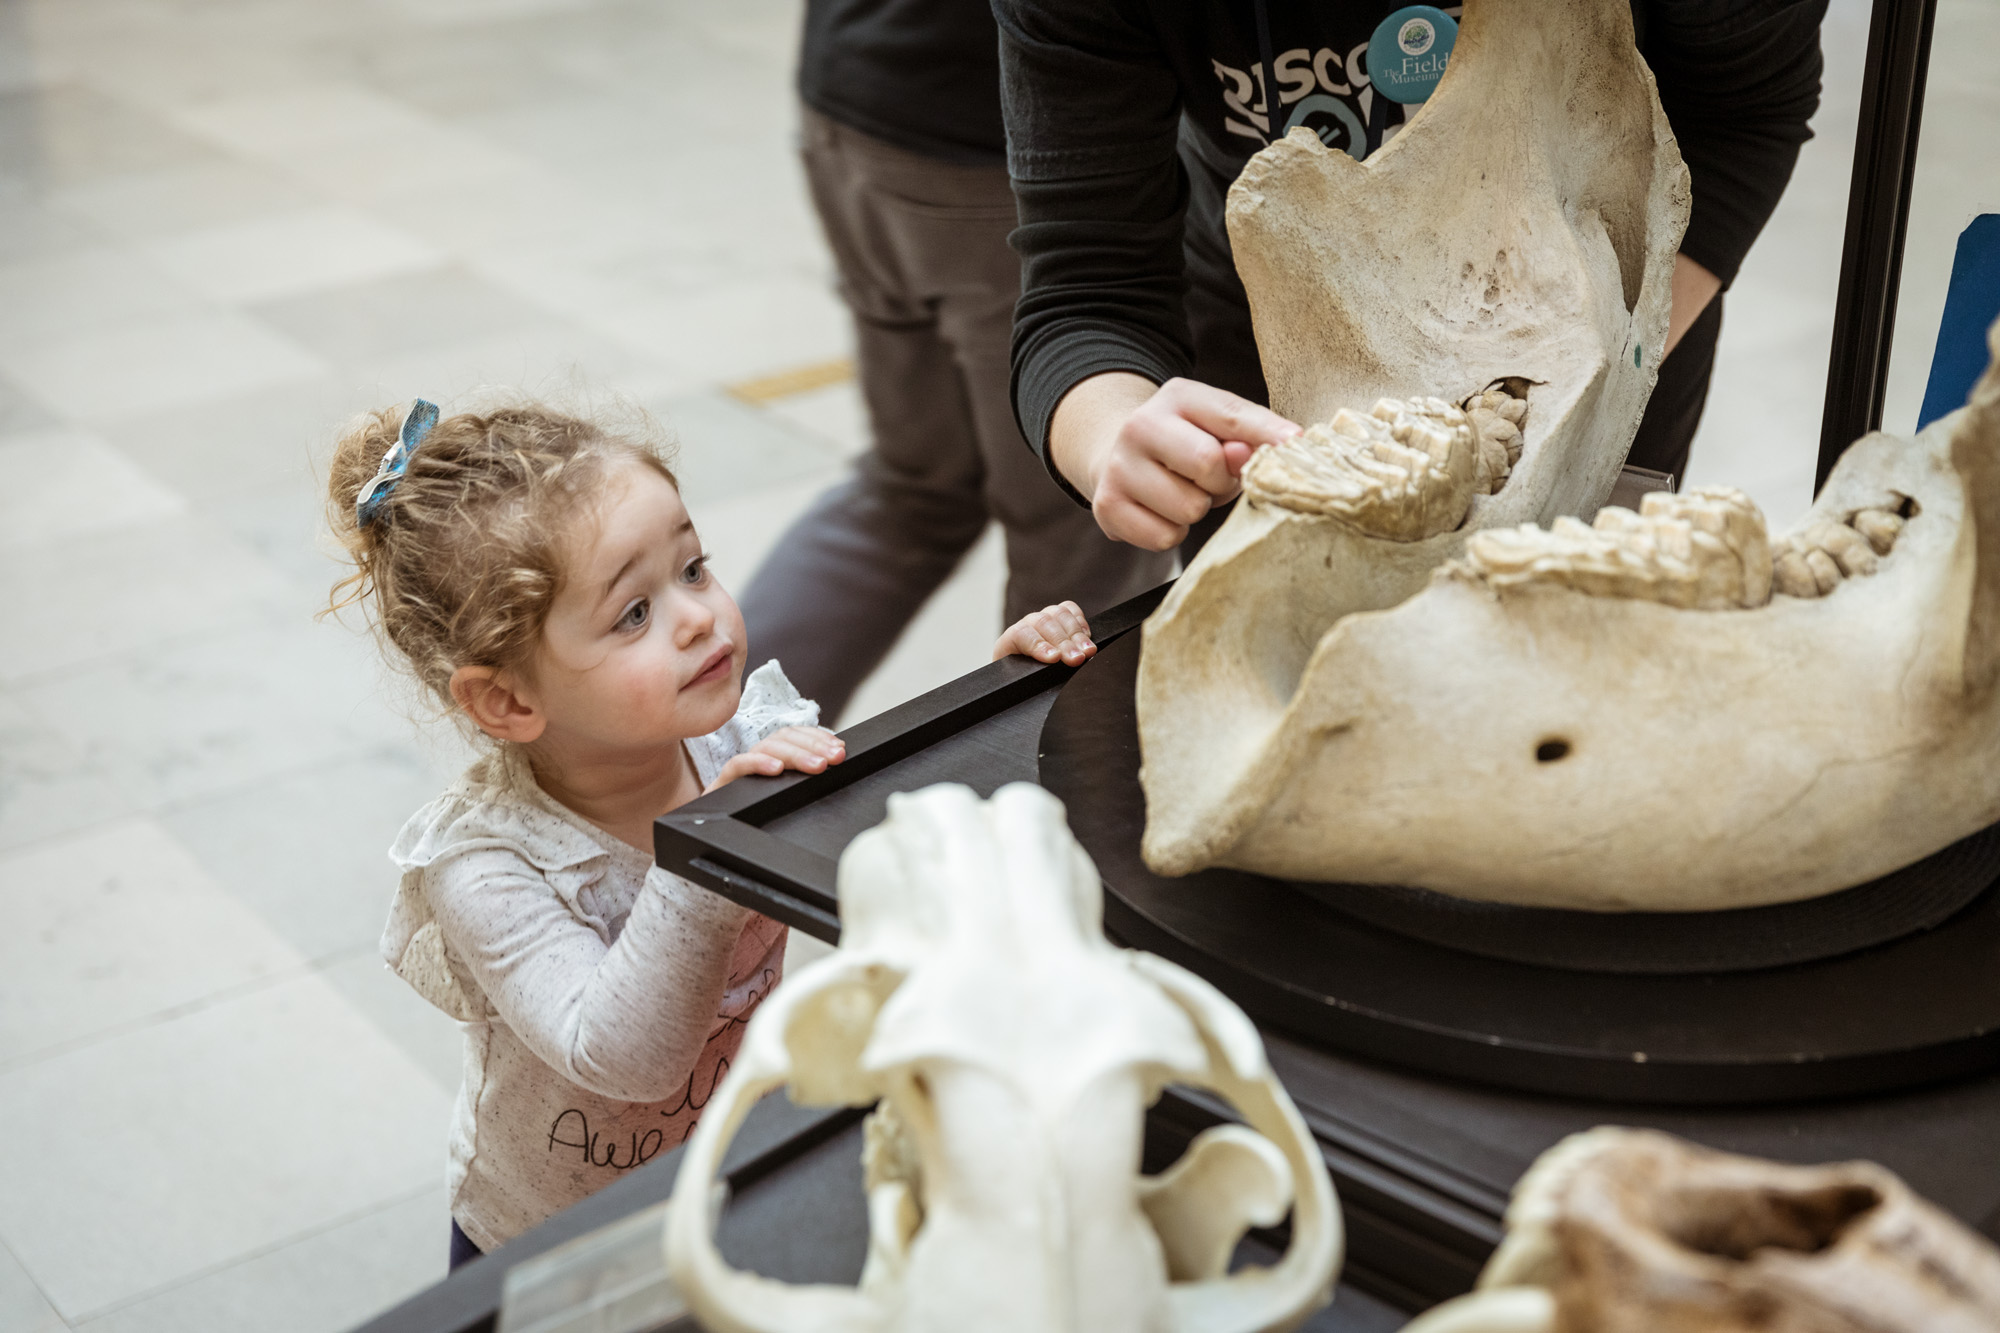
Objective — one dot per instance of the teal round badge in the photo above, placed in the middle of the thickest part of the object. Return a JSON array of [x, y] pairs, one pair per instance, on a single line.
[[1407, 54]]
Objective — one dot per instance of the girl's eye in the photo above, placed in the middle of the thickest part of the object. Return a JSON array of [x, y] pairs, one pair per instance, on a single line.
[[636, 615], [696, 571]]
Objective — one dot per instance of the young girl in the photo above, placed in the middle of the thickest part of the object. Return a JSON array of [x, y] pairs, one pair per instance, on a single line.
[[539, 575]]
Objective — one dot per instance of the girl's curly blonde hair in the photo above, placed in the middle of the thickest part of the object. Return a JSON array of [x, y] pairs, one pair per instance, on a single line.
[[459, 565]]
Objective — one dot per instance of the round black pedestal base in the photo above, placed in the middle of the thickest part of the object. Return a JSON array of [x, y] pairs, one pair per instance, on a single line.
[[1922, 1006]]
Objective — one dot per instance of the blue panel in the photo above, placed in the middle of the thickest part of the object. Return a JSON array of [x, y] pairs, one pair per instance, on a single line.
[[1970, 307]]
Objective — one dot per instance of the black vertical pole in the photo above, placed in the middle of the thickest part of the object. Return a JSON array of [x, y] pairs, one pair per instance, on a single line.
[[1878, 216]]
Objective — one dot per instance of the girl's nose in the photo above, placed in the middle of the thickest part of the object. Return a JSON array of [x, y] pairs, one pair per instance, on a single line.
[[693, 621]]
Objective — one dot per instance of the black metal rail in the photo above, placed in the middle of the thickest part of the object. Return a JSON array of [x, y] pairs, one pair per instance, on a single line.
[[1878, 217]]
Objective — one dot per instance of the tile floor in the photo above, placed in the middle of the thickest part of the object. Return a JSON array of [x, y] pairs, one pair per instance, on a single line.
[[227, 225]]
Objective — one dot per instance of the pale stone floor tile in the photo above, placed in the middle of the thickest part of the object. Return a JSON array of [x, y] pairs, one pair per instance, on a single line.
[[23, 1309], [725, 448], [426, 1034], [308, 851], [749, 328], [484, 67], [112, 925], [64, 135], [177, 67], [249, 444], [600, 126], [366, 323], [156, 203], [285, 524], [836, 414], [84, 288], [30, 230], [277, 124], [20, 412], [167, 1151], [145, 366], [69, 602], [576, 278], [289, 254], [210, 714], [67, 483], [447, 186], [47, 788], [548, 362], [952, 635], [326, 1283]]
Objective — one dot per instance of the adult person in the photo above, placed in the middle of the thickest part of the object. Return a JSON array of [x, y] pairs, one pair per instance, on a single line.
[[1136, 373], [905, 154]]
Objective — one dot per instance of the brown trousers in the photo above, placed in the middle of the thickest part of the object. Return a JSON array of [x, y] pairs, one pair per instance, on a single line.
[[921, 247]]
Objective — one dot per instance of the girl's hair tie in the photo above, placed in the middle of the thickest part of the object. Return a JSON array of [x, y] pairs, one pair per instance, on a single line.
[[416, 425]]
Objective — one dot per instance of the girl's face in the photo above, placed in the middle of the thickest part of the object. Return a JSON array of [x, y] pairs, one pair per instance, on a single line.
[[642, 646]]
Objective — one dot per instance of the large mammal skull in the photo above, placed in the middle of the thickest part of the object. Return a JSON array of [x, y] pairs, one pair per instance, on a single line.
[[1520, 232], [1634, 1231], [1014, 1053], [1663, 711]]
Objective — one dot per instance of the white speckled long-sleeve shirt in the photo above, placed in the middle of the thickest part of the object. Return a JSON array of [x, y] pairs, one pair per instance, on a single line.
[[602, 998]]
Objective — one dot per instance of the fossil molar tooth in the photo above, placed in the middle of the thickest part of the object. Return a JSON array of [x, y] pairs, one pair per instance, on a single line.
[[1405, 471], [1498, 418], [1705, 549], [1545, 747], [1813, 561], [1634, 1231], [1013, 1052]]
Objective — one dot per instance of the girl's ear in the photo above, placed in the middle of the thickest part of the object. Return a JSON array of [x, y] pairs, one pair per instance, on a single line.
[[492, 698]]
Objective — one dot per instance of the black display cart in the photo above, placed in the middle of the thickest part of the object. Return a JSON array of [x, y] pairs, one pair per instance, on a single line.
[[1423, 1158]]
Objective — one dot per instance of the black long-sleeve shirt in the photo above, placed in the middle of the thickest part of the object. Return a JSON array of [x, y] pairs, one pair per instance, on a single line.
[[1127, 120]]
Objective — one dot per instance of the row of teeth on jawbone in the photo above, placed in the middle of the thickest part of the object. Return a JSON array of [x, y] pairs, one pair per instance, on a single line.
[[1705, 550], [1405, 471]]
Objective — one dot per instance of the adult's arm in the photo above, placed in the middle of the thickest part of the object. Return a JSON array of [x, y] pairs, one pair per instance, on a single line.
[[1739, 81], [1093, 116]]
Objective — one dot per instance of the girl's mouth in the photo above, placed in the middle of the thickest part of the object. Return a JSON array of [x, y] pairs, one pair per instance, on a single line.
[[715, 668]]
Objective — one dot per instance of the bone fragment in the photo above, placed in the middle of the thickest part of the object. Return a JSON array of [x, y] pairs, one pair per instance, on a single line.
[[1635, 1231], [1705, 550], [1405, 471]]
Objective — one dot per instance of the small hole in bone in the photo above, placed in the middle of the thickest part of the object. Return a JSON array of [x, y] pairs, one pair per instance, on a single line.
[[1549, 751], [1906, 506], [1735, 1224]]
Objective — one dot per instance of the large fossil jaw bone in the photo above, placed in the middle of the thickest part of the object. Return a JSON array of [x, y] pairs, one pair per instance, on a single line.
[[1634, 1231], [1013, 1052], [1533, 250], [1568, 736]]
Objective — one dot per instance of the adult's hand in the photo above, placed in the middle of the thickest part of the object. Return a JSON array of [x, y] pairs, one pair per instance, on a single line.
[[1152, 460]]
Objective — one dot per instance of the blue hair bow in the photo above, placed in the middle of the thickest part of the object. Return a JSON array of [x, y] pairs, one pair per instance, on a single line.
[[416, 425]]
